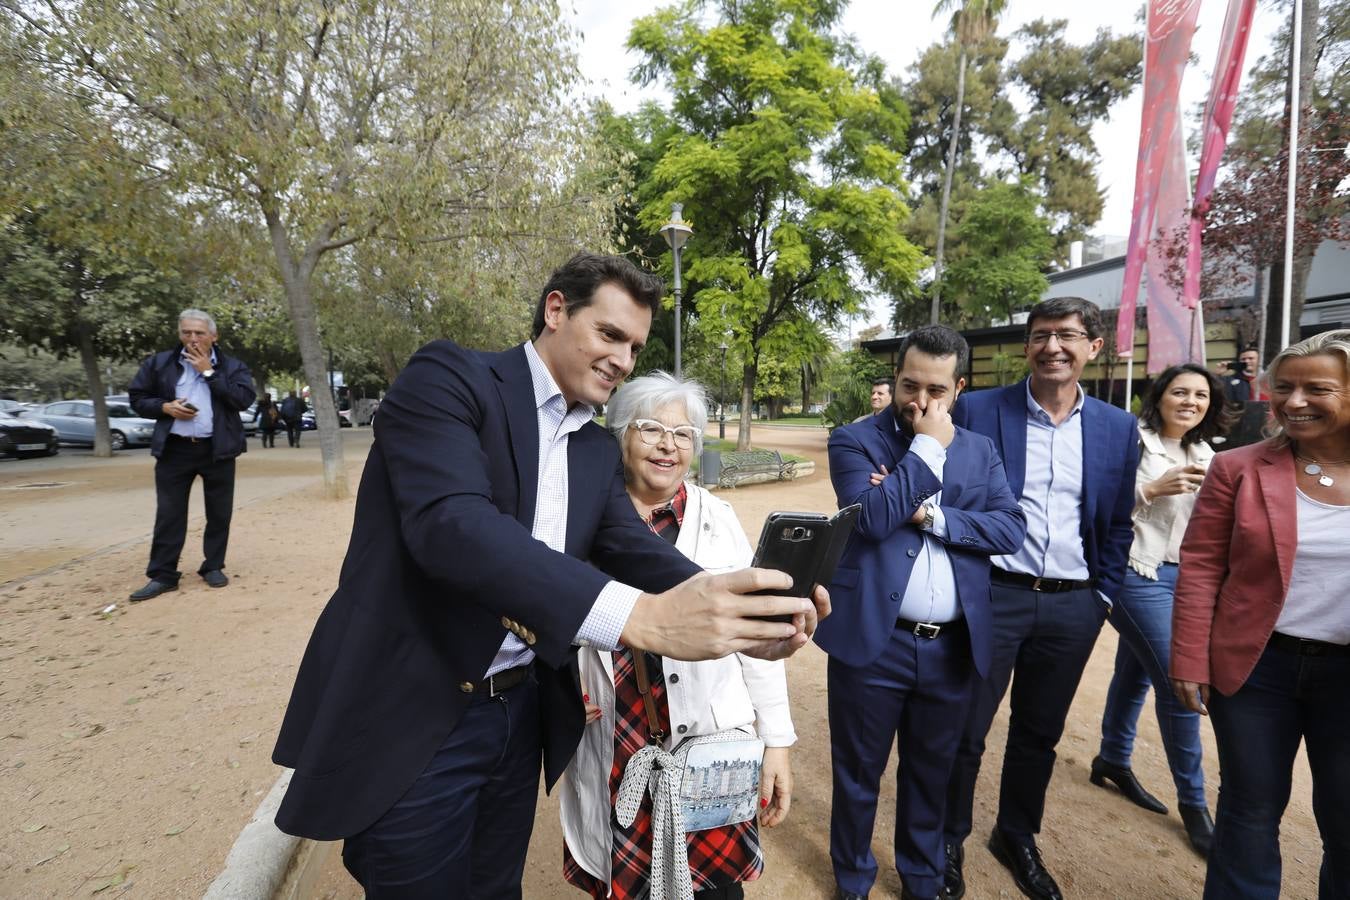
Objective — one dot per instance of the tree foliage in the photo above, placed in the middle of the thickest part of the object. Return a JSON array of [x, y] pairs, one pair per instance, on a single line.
[[327, 125], [786, 153], [1005, 249]]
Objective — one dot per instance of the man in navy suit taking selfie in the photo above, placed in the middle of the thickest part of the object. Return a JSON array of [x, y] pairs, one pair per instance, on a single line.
[[493, 535]]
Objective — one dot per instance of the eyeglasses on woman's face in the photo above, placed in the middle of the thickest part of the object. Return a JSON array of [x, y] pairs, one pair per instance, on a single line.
[[651, 432]]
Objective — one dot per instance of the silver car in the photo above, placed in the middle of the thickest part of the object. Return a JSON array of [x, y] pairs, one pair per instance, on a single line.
[[74, 423]]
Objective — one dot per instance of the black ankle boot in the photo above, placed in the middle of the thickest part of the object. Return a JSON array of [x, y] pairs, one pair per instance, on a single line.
[[1129, 786], [1199, 828]]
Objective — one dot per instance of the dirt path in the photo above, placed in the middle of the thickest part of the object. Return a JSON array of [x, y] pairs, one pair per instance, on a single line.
[[133, 747]]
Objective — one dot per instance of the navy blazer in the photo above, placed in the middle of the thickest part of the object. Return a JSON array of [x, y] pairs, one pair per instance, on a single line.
[[156, 383], [441, 555], [982, 518], [1110, 461]]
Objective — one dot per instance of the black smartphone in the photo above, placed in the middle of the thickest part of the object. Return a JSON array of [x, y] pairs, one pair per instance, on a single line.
[[807, 546], [187, 405]]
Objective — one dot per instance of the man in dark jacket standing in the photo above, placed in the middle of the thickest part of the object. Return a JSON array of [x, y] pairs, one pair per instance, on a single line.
[[195, 394], [292, 413]]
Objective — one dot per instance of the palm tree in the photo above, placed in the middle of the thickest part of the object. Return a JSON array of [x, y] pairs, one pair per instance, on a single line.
[[972, 22]]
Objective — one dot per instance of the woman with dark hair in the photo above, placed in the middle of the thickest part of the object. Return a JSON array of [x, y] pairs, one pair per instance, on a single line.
[[1185, 409]]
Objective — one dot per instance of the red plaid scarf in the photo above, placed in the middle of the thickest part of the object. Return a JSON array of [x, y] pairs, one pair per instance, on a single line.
[[717, 856]]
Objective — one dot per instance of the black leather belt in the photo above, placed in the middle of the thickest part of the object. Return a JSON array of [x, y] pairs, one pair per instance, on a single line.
[[1307, 646], [1044, 585], [931, 630], [495, 684], [188, 438]]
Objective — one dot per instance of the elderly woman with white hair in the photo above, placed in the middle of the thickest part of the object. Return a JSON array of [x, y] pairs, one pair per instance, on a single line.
[[646, 707]]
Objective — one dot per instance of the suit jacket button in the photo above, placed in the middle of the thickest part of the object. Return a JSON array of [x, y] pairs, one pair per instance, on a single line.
[[895, 595], [911, 553], [674, 678], [682, 729], [466, 687]]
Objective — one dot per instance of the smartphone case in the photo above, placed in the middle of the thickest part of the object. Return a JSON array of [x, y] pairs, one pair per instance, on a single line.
[[807, 546]]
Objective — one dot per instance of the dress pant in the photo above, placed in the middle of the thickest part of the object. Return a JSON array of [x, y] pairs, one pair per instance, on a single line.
[[175, 470], [1143, 616], [1042, 642], [1288, 698], [463, 828], [917, 693], [293, 432]]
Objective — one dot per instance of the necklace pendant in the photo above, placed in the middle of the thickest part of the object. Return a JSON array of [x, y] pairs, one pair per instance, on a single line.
[[1326, 481], [1312, 469]]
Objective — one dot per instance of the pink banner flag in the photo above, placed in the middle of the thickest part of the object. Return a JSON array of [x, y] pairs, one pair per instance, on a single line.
[[1237, 26], [1171, 24], [1174, 330]]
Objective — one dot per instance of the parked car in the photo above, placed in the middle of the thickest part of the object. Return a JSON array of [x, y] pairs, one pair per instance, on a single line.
[[74, 423], [24, 437]]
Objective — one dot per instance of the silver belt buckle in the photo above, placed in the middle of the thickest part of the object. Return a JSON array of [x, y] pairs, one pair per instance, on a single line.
[[927, 630], [1036, 585]]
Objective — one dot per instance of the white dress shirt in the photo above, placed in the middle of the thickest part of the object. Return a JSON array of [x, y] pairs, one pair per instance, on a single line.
[[930, 595], [604, 623], [193, 388]]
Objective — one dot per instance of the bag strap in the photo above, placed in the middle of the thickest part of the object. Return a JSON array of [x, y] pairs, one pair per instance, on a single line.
[[645, 689]]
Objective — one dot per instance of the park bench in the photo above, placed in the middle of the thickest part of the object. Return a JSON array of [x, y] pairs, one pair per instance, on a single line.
[[740, 465]]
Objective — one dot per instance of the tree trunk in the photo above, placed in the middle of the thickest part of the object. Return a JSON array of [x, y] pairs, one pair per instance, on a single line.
[[749, 375], [298, 282], [92, 375], [936, 314]]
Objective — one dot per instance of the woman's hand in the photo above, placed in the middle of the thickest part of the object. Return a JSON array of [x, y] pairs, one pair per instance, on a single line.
[[1176, 480], [775, 786], [1193, 696], [592, 711]]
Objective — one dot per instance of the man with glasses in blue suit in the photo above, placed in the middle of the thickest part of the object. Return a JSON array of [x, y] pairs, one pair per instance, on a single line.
[[1071, 462]]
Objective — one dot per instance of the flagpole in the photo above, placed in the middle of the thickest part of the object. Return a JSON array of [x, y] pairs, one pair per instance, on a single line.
[[1294, 103]]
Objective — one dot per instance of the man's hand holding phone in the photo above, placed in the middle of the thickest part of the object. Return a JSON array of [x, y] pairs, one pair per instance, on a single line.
[[711, 616], [180, 409]]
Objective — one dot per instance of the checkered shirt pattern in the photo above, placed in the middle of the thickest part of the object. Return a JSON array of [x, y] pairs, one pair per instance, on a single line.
[[604, 624], [717, 856]]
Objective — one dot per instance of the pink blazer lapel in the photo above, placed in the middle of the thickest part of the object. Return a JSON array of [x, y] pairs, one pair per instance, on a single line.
[[1278, 486]]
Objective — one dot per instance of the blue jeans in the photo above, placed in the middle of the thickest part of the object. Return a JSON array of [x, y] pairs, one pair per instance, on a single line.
[[1143, 616], [1288, 697]]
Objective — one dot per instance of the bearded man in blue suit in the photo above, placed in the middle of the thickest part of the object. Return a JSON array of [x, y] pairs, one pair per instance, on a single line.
[[911, 631]]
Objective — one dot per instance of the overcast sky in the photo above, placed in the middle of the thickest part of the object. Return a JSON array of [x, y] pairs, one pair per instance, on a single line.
[[899, 30]]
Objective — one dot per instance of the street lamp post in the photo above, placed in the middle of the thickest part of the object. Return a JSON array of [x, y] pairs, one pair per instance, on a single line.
[[722, 407], [677, 232]]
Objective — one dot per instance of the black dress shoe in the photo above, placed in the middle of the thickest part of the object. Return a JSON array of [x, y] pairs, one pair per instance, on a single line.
[[152, 589], [953, 878], [1124, 779], [1199, 828], [215, 578], [841, 894], [1024, 862]]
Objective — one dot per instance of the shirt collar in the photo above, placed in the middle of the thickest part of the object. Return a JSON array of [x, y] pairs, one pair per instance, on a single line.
[[1036, 411], [546, 390]]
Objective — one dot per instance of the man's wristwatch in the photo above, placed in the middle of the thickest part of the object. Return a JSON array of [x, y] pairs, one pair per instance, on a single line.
[[927, 517], [209, 373]]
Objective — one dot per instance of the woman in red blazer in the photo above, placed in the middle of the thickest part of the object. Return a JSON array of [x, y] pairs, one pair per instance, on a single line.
[[1261, 623]]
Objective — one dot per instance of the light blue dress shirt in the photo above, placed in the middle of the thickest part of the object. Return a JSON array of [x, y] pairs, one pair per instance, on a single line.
[[193, 388], [1052, 497], [930, 595]]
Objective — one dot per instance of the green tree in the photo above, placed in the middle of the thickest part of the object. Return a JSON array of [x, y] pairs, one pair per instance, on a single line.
[[325, 126], [1006, 248], [787, 159], [1070, 87], [972, 22]]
